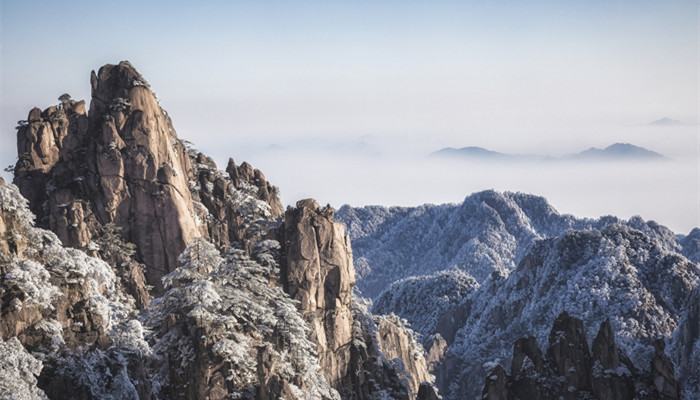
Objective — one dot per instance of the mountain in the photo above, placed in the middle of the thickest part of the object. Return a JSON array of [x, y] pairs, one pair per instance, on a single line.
[[149, 273], [665, 122], [488, 232], [473, 278], [480, 154], [617, 152], [131, 267]]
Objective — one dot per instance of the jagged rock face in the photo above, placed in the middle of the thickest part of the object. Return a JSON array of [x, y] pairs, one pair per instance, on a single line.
[[122, 164], [568, 351], [371, 374], [663, 372], [266, 192], [141, 167], [436, 350], [230, 210], [361, 355], [569, 371], [319, 274], [396, 343], [427, 391], [40, 142]]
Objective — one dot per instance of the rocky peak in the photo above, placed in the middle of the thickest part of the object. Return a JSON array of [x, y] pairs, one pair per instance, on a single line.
[[604, 349], [526, 352], [122, 164], [361, 355], [569, 371], [319, 274], [245, 173], [568, 350], [663, 372]]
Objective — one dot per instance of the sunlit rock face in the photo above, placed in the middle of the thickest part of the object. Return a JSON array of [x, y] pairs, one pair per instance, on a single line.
[[122, 163], [319, 274]]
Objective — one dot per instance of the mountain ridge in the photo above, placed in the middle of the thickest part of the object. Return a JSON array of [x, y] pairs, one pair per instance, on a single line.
[[614, 152]]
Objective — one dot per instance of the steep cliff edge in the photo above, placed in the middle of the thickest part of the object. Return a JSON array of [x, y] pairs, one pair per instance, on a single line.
[[120, 164], [355, 348], [319, 274]]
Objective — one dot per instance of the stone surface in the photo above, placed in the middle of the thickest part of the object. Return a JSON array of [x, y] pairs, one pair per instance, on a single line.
[[568, 351], [395, 342], [361, 355], [427, 391], [663, 372], [319, 274], [570, 371], [122, 164]]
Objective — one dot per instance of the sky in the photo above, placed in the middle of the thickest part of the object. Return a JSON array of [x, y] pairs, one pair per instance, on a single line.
[[342, 101]]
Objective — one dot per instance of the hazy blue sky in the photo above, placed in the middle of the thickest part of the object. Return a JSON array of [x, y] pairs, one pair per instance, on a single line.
[[404, 77]]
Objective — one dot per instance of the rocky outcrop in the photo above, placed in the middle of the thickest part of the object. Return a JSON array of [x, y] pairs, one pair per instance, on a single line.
[[686, 344], [396, 343], [427, 391], [231, 210], [570, 371], [568, 351], [663, 373], [371, 374], [436, 352], [361, 355], [245, 173], [319, 274], [122, 164]]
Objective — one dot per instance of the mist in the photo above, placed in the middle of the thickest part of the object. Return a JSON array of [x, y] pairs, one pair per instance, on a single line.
[[393, 170]]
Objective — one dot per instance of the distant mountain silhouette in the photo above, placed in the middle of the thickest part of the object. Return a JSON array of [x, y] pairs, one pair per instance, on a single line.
[[615, 152], [481, 154], [665, 121]]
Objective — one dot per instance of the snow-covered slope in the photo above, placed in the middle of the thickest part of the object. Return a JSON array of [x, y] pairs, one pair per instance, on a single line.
[[430, 303], [67, 309], [489, 231], [618, 273], [633, 272]]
